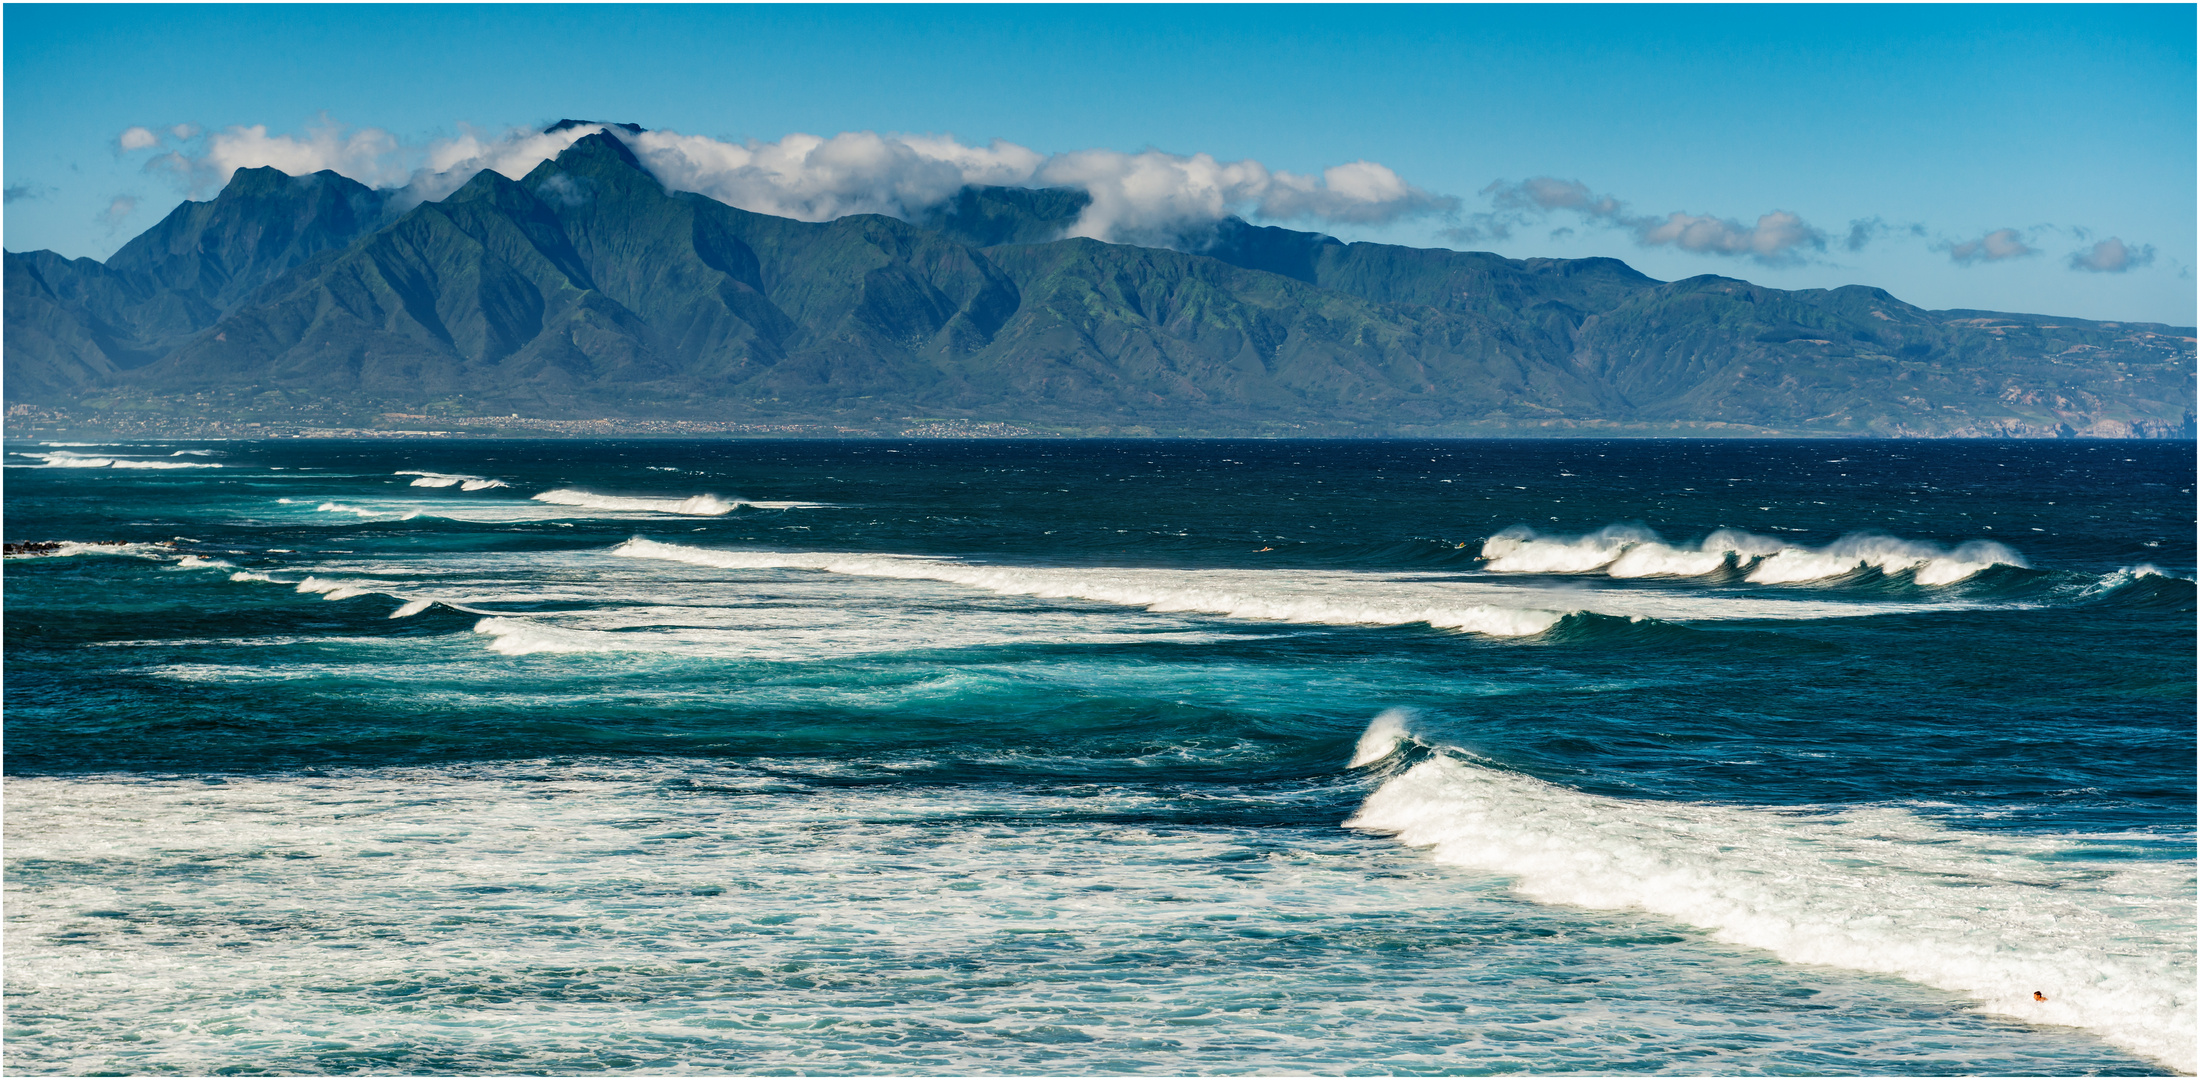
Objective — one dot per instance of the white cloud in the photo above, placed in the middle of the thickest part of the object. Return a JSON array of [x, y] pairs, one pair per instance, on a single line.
[[118, 210], [1148, 197], [2112, 256], [1776, 239], [818, 179], [1995, 246], [137, 138], [369, 155]]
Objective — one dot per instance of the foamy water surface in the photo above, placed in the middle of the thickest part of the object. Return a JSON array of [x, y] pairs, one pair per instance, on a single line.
[[908, 758]]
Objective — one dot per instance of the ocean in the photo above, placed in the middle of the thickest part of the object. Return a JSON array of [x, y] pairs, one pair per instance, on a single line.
[[1167, 757]]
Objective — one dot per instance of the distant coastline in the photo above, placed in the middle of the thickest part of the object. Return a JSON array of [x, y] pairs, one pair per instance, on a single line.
[[29, 424]]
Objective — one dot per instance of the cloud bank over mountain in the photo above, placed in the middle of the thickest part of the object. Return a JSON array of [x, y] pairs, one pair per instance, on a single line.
[[1150, 197]]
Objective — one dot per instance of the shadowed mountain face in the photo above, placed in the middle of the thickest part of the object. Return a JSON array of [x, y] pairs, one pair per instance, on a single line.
[[585, 289]]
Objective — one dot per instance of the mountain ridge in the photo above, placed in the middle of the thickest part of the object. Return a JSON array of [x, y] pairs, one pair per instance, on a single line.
[[586, 289]]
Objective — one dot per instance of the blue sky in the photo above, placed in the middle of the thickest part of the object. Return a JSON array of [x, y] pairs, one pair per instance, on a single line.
[[1990, 144]]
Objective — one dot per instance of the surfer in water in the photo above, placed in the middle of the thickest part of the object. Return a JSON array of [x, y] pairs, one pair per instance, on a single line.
[[2037, 996]]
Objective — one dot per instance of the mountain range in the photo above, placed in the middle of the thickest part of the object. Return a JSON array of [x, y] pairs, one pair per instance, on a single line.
[[587, 290]]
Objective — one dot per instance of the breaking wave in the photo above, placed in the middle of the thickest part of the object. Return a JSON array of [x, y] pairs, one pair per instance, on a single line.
[[1994, 917], [1623, 551], [461, 481]]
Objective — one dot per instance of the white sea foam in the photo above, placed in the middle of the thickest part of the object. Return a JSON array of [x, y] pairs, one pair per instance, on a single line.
[[461, 481], [62, 459], [1992, 916], [72, 547], [411, 608], [1315, 597], [694, 505], [194, 562]]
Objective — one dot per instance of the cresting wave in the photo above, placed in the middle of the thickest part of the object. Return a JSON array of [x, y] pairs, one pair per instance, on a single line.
[[1265, 595], [1624, 551], [1870, 889], [460, 481], [63, 459]]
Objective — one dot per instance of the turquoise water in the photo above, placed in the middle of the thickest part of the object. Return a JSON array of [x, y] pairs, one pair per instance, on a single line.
[[1165, 757]]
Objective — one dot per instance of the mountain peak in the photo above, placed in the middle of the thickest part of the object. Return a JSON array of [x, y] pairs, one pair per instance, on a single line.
[[601, 148], [562, 125], [269, 180]]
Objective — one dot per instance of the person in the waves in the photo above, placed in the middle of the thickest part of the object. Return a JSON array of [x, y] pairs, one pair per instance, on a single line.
[[2037, 996]]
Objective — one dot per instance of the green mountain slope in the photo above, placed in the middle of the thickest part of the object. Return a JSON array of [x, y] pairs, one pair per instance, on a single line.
[[586, 290]]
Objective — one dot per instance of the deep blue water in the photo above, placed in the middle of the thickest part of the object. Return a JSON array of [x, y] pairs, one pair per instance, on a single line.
[[1039, 756]]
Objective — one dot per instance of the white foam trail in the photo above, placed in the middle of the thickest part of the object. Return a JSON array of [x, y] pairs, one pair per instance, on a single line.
[[1265, 595], [694, 505], [364, 511], [2110, 941], [461, 481], [1382, 738], [197, 453], [411, 608], [193, 562], [254, 575], [1929, 563]]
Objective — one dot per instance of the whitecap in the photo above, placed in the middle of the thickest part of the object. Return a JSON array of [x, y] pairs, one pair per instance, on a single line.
[[461, 481]]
